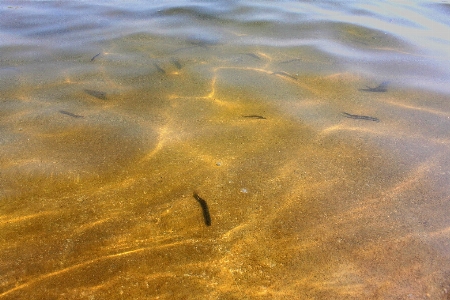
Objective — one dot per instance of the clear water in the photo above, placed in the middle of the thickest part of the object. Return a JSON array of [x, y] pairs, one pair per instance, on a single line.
[[317, 132]]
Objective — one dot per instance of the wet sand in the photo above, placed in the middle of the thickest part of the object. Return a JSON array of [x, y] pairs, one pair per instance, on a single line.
[[100, 159]]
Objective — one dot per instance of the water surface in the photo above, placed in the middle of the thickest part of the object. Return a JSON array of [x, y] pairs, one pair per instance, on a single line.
[[316, 132]]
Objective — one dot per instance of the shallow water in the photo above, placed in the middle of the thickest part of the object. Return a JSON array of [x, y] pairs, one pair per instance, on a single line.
[[317, 133]]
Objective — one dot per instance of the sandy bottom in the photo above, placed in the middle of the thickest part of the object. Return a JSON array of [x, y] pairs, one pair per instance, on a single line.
[[98, 173]]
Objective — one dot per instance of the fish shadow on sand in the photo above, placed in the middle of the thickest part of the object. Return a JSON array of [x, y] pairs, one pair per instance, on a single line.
[[159, 69], [97, 94]]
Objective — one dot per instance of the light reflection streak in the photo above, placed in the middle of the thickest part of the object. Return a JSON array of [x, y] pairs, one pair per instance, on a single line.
[[101, 259]]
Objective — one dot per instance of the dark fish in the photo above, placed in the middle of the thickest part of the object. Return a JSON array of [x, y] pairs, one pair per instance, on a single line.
[[205, 209], [176, 63], [201, 42], [254, 116], [195, 42], [379, 89], [160, 70], [252, 55], [284, 74], [96, 94], [289, 61], [184, 48], [95, 56], [358, 117], [70, 114]]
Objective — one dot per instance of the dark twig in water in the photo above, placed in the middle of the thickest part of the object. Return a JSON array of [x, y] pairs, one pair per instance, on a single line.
[[359, 117], [95, 56], [205, 209], [254, 117], [379, 89], [70, 114]]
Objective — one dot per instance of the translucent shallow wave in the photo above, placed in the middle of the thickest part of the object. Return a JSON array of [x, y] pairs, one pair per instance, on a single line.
[[413, 35]]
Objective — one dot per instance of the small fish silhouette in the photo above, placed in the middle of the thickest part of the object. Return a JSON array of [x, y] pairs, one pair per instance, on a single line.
[[205, 209], [379, 89], [70, 114], [284, 74], [95, 56], [359, 117], [254, 117]]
